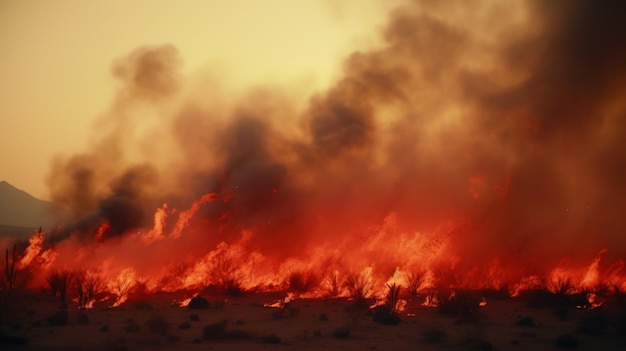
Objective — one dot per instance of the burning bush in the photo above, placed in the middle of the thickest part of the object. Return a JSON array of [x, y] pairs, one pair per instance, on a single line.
[[87, 285], [359, 286], [333, 284], [302, 282], [413, 282], [59, 282], [392, 296]]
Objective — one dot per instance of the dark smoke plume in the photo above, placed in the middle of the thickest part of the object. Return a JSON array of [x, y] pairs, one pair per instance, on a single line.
[[503, 120]]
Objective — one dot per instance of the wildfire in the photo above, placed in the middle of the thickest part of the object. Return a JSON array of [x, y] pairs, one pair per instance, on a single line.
[[236, 266], [407, 179]]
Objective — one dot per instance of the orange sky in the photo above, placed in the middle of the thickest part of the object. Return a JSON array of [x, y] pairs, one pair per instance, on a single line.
[[57, 57]]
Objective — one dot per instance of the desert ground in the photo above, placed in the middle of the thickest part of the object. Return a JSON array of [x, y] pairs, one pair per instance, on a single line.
[[246, 322]]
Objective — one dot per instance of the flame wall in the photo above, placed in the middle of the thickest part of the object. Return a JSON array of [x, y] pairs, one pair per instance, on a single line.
[[481, 141]]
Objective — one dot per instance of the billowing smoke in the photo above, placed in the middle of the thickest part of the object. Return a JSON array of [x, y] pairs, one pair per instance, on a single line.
[[498, 127]]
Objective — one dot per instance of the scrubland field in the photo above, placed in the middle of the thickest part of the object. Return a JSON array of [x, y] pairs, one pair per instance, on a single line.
[[247, 322]]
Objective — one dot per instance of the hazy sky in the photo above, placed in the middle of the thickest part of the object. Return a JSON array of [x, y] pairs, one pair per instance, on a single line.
[[57, 57]]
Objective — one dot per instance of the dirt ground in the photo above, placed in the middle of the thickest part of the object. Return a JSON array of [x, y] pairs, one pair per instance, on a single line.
[[307, 324]]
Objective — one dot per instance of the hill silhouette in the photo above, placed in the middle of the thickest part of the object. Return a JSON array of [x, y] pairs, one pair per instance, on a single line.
[[20, 211]]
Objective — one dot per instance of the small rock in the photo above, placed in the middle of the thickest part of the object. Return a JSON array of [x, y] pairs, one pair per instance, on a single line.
[[199, 303]]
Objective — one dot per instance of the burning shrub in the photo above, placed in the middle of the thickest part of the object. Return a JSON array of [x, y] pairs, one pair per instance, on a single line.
[[59, 282], [302, 282], [560, 286], [413, 282], [122, 285], [232, 286], [392, 296], [333, 284], [87, 286], [226, 271], [139, 290], [360, 285]]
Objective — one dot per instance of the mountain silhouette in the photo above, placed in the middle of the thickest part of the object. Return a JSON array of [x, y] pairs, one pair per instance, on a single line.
[[18, 209]]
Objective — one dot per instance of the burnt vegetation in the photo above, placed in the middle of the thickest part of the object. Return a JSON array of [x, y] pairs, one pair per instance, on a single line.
[[88, 286], [59, 282], [359, 286], [303, 282]]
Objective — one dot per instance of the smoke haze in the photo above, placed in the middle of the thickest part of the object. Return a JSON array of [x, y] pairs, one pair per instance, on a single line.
[[496, 128]]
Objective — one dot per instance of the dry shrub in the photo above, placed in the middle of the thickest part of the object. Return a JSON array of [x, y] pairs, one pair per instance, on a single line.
[[359, 286], [392, 296], [59, 282], [560, 286], [87, 286], [413, 282], [333, 284], [302, 282]]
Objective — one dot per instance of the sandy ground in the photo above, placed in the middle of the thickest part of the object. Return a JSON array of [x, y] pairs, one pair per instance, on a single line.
[[297, 328]]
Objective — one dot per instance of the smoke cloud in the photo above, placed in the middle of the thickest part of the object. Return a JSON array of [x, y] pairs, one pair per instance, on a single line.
[[496, 127]]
